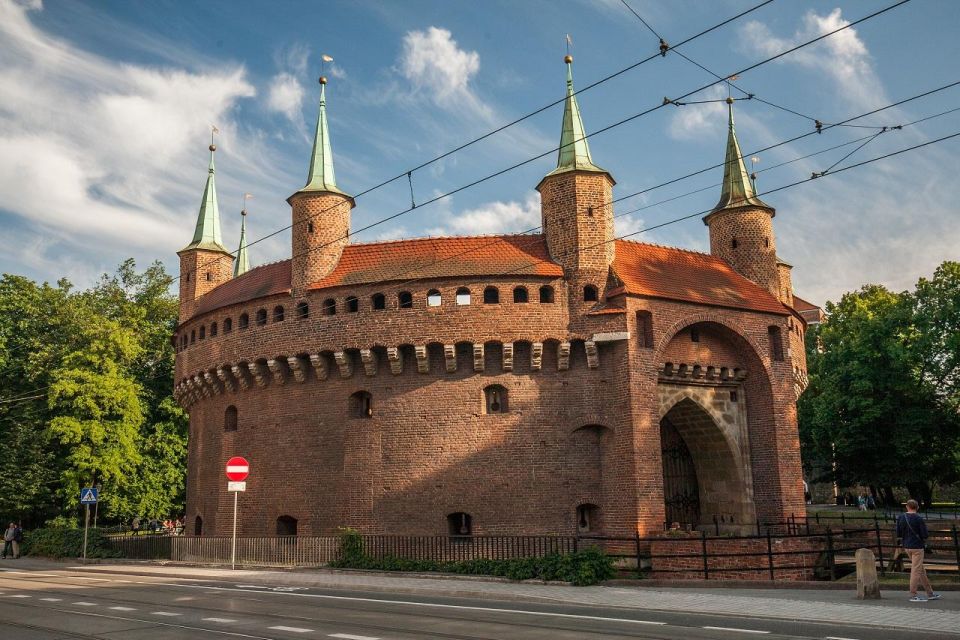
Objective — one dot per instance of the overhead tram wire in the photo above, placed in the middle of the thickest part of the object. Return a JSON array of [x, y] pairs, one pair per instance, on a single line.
[[505, 126], [648, 189], [603, 130], [764, 193]]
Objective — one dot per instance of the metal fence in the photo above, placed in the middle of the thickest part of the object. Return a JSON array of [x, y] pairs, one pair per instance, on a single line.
[[793, 549]]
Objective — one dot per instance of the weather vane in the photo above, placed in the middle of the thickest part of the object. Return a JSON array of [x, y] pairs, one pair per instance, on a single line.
[[243, 210]]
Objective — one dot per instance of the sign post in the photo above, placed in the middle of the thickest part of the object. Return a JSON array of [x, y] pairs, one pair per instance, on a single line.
[[237, 471], [88, 496]]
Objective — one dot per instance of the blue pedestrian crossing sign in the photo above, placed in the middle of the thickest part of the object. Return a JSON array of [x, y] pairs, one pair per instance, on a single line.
[[89, 495]]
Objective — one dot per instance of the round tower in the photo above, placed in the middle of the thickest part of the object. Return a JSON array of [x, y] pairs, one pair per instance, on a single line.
[[576, 203], [204, 263], [741, 225], [321, 212]]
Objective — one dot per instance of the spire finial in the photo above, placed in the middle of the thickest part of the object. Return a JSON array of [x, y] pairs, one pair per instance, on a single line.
[[321, 176], [242, 263], [738, 189], [574, 151], [206, 234]]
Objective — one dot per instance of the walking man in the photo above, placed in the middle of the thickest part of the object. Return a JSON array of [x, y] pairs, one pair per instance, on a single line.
[[912, 532], [11, 541]]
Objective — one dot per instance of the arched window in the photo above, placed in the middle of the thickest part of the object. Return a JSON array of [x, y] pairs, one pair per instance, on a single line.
[[520, 295], [460, 524], [587, 518], [309, 227], [230, 419], [433, 298], [546, 294], [286, 526], [645, 329], [261, 317], [463, 296], [776, 344], [244, 321], [278, 314], [495, 399], [405, 300], [589, 293], [213, 329], [491, 295], [193, 336], [378, 301], [353, 304], [694, 334], [361, 405], [227, 325], [203, 332], [303, 311], [198, 526], [329, 307], [188, 276]]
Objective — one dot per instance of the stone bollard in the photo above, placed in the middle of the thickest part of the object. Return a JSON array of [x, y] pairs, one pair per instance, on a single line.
[[868, 585]]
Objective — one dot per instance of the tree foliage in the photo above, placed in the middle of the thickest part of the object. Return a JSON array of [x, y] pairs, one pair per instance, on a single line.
[[85, 397], [882, 405]]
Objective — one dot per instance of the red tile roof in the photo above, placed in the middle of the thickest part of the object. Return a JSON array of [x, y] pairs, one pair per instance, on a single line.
[[442, 258], [675, 274], [802, 305], [265, 280]]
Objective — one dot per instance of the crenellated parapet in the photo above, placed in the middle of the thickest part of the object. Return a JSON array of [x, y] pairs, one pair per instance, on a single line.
[[303, 368]]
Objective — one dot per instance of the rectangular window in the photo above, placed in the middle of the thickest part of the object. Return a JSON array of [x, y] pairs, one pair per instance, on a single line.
[[645, 329], [776, 344]]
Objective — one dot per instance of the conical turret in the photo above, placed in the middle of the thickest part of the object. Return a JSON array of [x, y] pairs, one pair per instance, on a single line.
[[242, 264], [574, 153], [207, 234], [321, 212], [738, 189]]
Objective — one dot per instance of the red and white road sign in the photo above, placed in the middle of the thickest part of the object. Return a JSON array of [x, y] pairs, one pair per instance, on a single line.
[[237, 469]]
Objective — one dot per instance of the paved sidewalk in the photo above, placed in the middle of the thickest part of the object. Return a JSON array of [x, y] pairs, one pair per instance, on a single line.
[[893, 611]]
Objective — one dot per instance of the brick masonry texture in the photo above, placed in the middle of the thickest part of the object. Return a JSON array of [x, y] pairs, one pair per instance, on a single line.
[[797, 558], [586, 391]]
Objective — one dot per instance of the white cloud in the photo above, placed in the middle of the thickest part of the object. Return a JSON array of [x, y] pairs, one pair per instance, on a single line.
[[494, 217], [285, 96], [692, 121], [434, 63], [629, 225], [842, 57]]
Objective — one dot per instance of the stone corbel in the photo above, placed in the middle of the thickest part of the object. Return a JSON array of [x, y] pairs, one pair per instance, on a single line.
[[201, 385], [226, 379], [212, 383], [684, 371], [298, 368], [241, 376], [277, 369], [395, 358], [508, 356], [740, 374], [478, 357], [593, 354], [668, 369], [563, 356], [343, 363], [725, 374], [697, 372], [536, 356], [369, 360], [423, 359], [711, 373], [319, 364], [258, 373], [450, 355]]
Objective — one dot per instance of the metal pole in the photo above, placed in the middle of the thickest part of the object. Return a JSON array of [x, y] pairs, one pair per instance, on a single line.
[[96, 510], [233, 548], [86, 526]]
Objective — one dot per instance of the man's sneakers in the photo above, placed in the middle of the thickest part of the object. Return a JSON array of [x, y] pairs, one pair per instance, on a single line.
[[932, 596]]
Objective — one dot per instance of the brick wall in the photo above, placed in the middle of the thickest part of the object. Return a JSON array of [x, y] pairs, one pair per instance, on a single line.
[[321, 226], [200, 272], [755, 254], [798, 558]]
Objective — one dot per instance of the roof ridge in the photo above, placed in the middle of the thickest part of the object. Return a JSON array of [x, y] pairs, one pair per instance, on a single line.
[[664, 246], [451, 237]]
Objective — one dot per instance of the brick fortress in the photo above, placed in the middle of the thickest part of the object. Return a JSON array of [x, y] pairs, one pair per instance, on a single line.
[[515, 384]]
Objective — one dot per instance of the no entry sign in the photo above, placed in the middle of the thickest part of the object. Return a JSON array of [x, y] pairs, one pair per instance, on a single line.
[[237, 469]]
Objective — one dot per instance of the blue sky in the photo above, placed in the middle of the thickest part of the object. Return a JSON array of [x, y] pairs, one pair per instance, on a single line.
[[106, 108]]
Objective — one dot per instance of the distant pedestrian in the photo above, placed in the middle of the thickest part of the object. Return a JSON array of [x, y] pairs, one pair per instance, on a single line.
[[11, 541], [912, 533], [135, 525], [862, 502], [871, 503]]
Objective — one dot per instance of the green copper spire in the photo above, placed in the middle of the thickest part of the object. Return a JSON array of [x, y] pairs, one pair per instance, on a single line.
[[207, 233], [321, 176], [574, 150], [738, 190], [242, 263]]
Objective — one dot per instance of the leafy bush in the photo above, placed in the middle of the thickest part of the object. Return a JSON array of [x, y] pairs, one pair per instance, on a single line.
[[586, 567], [66, 543]]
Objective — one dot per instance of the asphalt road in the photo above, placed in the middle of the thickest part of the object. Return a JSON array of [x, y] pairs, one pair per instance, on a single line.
[[67, 604]]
